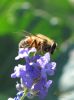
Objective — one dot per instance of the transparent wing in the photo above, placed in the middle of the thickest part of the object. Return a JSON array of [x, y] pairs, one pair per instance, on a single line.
[[23, 33]]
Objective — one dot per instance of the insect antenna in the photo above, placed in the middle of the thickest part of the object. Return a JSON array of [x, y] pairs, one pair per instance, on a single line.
[[26, 33]]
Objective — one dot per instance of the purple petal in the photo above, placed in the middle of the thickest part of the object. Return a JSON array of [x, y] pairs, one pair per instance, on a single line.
[[43, 60], [27, 81], [32, 50], [40, 84], [47, 56], [24, 52], [50, 68], [18, 71], [29, 95], [42, 93], [47, 85], [43, 73]]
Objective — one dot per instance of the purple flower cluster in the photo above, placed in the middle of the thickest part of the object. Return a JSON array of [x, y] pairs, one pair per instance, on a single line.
[[33, 74]]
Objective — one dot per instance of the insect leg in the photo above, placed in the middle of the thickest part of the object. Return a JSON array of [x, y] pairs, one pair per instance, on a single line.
[[34, 43]]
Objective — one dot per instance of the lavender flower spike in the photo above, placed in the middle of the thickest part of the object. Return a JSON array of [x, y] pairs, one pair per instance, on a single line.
[[33, 74]]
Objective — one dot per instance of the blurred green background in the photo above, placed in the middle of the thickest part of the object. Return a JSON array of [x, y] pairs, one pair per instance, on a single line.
[[54, 19]]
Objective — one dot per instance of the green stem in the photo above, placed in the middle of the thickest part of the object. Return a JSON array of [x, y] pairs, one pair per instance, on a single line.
[[24, 94]]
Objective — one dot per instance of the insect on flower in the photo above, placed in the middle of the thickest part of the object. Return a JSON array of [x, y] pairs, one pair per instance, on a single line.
[[41, 42], [33, 73]]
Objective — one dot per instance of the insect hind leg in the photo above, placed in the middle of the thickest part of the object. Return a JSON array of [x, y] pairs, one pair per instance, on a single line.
[[34, 43]]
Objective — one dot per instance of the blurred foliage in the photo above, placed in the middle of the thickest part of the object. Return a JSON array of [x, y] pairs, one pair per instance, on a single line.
[[54, 19]]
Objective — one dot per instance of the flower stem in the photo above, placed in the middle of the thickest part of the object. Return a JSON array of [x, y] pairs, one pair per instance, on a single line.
[[24, 94]]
